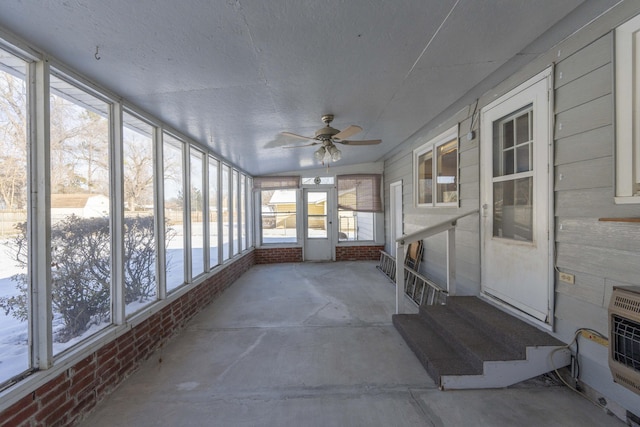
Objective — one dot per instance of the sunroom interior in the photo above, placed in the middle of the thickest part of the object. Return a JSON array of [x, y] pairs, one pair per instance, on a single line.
[[153, 154]]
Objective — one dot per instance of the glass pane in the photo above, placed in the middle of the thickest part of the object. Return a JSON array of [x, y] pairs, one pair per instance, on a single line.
[[243, 212], [425, 178], [226, 224], [447, 171], [14, 287], [236, 210], [174, 211], [507, 162], [507, 134], [522, 129], [80, 207], [524, 158], [139, 236], [197, 213], [250, 238], [513, 209], [278, 211], [355, 225], [213, 213], [317, 215]]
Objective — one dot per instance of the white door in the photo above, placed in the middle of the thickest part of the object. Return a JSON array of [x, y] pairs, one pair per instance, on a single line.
[[515, 198], [395, 220], [318, 224]]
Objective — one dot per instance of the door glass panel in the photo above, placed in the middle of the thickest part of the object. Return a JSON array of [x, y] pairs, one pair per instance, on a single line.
[[317, 215], [513, 176], [513, 209]]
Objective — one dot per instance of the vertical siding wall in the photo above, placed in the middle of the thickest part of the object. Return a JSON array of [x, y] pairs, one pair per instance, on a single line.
[[600, 254]]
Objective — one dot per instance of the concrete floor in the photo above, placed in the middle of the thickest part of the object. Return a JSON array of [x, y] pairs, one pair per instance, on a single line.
[[312, 345]]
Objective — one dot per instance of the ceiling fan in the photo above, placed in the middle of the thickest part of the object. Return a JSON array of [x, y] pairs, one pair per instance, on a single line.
[[328, 137]]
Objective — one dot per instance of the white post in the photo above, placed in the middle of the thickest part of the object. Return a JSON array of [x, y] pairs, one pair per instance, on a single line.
[[399, 277], [451, 261]]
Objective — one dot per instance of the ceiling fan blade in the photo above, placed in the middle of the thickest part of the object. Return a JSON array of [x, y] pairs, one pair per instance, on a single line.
[[300, 146], [351, 130], [361, 142], [295, 135]]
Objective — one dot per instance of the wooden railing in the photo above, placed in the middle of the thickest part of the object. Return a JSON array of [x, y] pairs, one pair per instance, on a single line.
[[448, 226]]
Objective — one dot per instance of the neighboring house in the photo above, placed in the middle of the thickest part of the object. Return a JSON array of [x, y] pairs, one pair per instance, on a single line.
[[81, 205], [284, 206]]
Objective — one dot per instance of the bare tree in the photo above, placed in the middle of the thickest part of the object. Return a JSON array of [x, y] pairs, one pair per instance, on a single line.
[[138, 173], [13, 142]]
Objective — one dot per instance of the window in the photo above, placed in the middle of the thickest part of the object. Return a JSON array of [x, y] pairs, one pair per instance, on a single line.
[[627, 84], [243, 212], [318, 180], [226, 212], [14, 288], [359, 199], [80, 211], [214, 215], [139, 223], [513, 175], [197, 212], [174, 210], [250, 241], [278, 208], [235, 211], [436, 171]]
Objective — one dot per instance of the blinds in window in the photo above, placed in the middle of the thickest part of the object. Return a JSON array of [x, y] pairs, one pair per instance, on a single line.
[[359, 193], [275, 182]]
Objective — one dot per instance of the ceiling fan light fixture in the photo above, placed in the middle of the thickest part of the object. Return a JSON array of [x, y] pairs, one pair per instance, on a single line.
[[335, 153], [319, 154]]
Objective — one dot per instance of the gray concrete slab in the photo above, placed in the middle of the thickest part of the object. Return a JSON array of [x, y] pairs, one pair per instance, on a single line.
[[312, 345]]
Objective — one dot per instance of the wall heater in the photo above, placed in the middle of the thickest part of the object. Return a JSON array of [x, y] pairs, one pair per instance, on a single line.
[[624, 336]]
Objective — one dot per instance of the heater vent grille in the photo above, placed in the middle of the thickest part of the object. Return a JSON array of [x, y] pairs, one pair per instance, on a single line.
[[624, 338]]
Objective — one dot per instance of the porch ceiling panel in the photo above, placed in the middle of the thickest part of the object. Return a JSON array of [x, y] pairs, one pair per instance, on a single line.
[[234, 74]]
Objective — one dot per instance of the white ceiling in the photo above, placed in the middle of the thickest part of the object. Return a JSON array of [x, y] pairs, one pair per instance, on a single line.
[[235, 73]]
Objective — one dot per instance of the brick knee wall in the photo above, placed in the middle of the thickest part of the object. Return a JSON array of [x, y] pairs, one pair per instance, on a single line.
[[65, 399], [278, 255], [358, 253]]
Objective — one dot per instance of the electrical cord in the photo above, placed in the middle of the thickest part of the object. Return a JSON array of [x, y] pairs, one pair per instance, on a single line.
[[568, 347]]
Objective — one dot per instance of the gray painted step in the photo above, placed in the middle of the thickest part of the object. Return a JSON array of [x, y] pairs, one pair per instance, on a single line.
[[435, 354], [467, 336]]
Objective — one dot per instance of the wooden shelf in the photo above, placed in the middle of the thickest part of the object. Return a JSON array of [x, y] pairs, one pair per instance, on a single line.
[[620, 219]]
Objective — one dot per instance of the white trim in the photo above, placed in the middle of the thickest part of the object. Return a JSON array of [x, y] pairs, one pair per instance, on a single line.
[[513, 100], [627, 102], [432, 145]]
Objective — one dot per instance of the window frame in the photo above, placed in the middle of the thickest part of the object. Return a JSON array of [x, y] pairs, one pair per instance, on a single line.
[[431, 146], [627, 58]]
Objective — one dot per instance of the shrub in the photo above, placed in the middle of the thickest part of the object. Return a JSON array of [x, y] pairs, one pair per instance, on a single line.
[[81, 272]]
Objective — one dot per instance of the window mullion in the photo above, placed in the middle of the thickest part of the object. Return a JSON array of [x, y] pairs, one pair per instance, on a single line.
[[39, 222], [205, 214], [160, 222], [186, 211], [117, 214]]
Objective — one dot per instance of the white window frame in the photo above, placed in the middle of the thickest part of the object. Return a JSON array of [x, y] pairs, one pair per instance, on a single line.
[[432, 145], [627, 94]]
